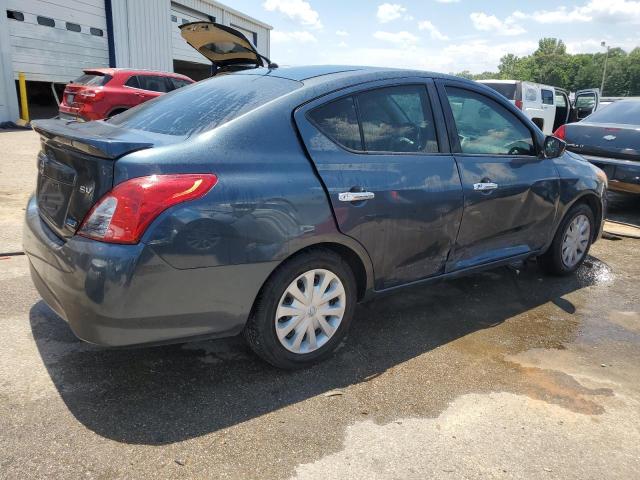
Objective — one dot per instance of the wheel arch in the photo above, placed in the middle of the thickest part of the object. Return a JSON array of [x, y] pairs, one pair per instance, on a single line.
[[592, 200]]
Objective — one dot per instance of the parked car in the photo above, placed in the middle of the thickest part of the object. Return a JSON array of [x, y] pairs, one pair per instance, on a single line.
[[548, 107], [271, 201], [105, 92], [610, 139]]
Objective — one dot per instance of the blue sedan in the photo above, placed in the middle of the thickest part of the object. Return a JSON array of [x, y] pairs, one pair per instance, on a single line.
[[271, 200]]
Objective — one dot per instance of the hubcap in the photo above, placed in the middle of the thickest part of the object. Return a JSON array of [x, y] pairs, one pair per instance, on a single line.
[[576, 240], [310, 311]]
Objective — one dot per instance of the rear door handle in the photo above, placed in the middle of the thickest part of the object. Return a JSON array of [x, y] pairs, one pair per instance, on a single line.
[[485, 186], [355, 196]]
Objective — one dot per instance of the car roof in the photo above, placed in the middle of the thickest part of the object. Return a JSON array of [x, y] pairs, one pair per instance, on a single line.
[[132, 71], [329, 72]]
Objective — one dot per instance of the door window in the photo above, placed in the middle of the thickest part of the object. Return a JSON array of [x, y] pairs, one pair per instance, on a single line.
[[531, 94], [485, 127], [547, 97], [397, 119], [560, 100], [338, 121], [153, 83], [179, 83], [133, 82]]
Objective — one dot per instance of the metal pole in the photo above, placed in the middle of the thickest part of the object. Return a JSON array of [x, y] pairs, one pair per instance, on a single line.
[[24, 106], [604, 71]]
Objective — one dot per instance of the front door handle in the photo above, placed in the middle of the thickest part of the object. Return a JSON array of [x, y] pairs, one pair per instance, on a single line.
[[485, 186], [355, 196]]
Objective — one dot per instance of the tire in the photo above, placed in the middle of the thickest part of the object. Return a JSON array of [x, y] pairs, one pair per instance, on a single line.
[[552, 261], [275, 299]]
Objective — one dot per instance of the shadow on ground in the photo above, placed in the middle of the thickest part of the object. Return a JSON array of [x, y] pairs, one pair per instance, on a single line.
[[173, 393], [624, 208]]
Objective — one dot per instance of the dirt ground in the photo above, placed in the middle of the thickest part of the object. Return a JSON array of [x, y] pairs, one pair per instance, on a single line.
[[503, 374]]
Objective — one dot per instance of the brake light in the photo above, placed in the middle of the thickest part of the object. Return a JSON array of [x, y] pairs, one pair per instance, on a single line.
[[90, 95], [560, 132], [519, 104], [123, 214]]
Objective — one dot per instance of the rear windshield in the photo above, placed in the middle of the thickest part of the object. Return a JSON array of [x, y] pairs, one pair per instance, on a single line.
[[92, 79], [624, 112], [204, 105], [506, 89]]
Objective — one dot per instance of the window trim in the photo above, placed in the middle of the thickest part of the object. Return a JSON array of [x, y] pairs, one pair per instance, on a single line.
[[452, 128], [354, 91]]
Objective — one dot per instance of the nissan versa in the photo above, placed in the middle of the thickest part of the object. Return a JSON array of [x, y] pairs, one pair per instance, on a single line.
[[270, 201]]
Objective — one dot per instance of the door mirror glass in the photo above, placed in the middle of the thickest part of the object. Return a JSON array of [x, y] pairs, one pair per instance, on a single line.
[[553, 147]]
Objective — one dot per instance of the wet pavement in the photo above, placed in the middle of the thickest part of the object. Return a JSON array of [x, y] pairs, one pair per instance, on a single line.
[[504, 374]]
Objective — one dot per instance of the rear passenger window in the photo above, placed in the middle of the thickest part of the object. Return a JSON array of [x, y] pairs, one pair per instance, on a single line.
[[531, 94], [485, 127], [133, 82], [397, 119], [547, 97], [338, 121], [179, 83], [153, 83]]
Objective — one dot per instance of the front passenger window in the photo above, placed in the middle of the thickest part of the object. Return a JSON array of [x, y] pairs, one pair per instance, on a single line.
[[486, 127]]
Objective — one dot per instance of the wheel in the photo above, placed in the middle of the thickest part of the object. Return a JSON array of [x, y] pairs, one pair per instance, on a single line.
[[571, 244], [303, 311]]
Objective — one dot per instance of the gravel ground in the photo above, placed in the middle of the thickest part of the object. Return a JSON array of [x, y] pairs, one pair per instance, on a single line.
[[503, 374]]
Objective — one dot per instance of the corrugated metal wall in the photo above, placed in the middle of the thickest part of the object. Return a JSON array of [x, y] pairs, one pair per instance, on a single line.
[[8, 96], [141, 30]]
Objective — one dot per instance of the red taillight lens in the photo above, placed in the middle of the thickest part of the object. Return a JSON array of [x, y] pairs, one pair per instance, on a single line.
[[123, 214], [560, 132], [88, 95], [519, 104]]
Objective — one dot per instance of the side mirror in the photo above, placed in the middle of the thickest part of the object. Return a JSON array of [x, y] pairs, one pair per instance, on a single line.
[[553, 147]]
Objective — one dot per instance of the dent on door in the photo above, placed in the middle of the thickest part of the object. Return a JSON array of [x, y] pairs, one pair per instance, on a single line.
[[410, 217]]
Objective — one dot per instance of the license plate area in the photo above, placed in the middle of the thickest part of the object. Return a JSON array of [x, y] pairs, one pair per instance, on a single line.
[[54, 189]]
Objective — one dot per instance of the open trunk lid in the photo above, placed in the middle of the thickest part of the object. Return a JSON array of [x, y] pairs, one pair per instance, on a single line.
[[75, 168], [226, 47]]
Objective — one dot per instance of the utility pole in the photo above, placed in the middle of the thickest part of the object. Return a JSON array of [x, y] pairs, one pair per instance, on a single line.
[[604, 70]]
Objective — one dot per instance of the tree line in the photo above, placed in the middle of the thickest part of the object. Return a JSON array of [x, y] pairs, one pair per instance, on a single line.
[[552, 65]]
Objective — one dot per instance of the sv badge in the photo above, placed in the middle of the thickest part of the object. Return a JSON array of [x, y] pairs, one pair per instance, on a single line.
[[87, 189]]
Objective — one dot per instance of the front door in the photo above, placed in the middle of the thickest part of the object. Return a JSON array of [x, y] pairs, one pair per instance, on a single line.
[[510, 192], [383, 156]]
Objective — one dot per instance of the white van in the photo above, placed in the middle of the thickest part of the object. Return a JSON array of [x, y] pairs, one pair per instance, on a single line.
[[537, 101], [548, 107]]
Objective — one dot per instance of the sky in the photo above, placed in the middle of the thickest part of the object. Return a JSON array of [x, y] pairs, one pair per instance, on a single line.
[[438, 35]]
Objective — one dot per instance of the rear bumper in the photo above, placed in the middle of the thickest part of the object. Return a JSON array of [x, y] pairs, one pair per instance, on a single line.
[[118, 295], [623, 175]]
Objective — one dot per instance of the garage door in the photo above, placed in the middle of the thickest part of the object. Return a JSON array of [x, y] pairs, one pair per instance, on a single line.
[[55, 40], [181, 49]]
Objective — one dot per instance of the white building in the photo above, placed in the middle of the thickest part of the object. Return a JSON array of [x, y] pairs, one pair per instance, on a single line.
[[51, 41]]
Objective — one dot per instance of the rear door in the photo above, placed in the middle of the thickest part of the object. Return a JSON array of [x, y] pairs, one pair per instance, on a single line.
[[383, 156], [586, 102], [547, 95], [510, 193]]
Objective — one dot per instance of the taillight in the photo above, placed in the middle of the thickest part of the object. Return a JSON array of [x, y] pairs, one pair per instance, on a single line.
[[560, 132], [519, 104], [123, 214], [89, 95]]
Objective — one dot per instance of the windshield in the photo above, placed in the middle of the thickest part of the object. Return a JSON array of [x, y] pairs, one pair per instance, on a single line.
[[505, 89], [204, 105], [626, 112]]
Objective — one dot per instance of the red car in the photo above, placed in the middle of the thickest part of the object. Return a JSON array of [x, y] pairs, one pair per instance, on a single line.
[[104, 92]]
